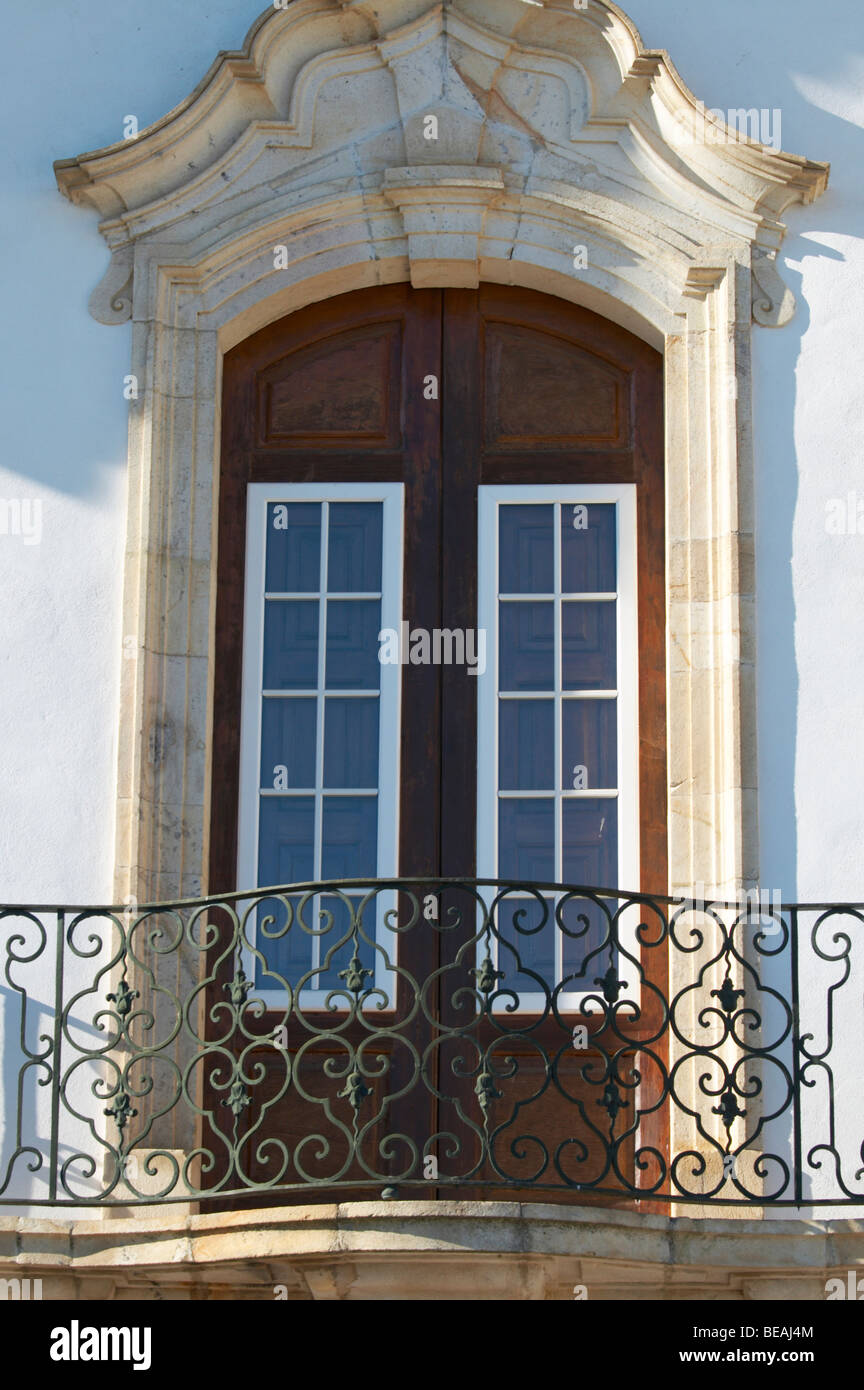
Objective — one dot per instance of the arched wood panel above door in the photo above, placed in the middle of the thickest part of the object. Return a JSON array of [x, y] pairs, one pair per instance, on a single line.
[[525, 405], [345, 389]]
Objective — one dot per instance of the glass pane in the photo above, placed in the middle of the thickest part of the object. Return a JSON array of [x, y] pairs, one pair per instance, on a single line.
[[585, 932], [588, 548], [288, 743], [354, 547], [338, 945], [349, 841], [286, 828], [526, 549], [589, 657], [352, 644], [590, 834], [351, 743], [527, 646], [293, 547], [526, 744], [290, 644], [527, 943], [287, 949], [526, 839], [589, 744]]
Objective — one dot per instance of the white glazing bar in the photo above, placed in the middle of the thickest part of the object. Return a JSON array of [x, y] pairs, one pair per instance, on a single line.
[[628, 688], [571, 792], [605, 597], [310, 791], [319, 724], [305, 594], [558, 658], [313, 694], [389, 741], [565, 694], [252, 710]]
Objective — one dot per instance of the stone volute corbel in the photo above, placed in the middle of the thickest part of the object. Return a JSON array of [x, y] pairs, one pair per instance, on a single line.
[[773, 301], [111, 301]]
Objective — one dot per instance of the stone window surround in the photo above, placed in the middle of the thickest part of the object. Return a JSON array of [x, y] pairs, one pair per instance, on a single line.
[[681, 249]]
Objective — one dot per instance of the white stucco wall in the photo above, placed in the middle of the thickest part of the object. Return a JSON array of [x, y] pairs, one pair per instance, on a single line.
[[809, 425], [76, 73]]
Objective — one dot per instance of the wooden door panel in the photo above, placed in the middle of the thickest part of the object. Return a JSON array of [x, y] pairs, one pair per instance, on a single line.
[[345, 389], [402, 444], [545, 392], [551, 1125], [537, 390], [301, 1127], [335, 393]]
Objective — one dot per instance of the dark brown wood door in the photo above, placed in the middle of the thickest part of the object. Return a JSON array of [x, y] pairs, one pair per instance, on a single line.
[[538, 392], [445, 392]]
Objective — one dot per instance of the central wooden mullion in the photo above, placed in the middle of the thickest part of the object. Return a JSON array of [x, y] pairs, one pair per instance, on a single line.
[[415, 1114], [460, 474], [419, 839]]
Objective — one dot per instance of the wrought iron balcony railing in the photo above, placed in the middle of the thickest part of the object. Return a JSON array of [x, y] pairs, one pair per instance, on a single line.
[[436, 1037]]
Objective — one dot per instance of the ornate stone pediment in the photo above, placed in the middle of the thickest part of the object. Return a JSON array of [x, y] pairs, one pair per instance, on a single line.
[[442, 128]]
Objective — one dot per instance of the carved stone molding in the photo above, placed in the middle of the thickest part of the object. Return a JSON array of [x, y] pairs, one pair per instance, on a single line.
[[555, 97], [474, 1251], [447, 144]]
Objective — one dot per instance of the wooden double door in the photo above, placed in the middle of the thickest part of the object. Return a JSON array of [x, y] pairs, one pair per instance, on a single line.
[[460, 396]]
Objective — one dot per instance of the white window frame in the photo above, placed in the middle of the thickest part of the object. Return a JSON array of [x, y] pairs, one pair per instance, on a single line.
[[259, 497], [623, 495]]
